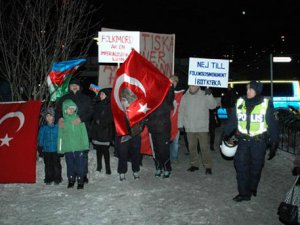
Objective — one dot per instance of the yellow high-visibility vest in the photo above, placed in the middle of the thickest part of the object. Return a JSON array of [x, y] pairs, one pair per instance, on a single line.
[[258, 123]]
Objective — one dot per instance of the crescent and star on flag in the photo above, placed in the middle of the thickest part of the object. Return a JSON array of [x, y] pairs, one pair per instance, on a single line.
[[19, 115], [124, 78]]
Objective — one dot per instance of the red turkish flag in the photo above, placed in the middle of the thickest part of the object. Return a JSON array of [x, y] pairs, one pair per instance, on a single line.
[[18, 141], [174, 113], [146, 148], [146, 82]]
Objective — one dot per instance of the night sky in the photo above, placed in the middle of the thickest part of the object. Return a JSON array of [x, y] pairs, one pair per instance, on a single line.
[[245, 31]]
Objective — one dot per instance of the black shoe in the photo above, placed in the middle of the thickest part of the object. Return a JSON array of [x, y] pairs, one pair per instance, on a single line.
[[193, 168], [85, 179], [212, 148], [240, 198], [71, 184], [47, 181], [80, 186], [254, 193], [208, 171], [57, 181], [108, 172]]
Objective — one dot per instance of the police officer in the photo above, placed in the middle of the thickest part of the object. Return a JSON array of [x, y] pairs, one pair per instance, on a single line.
[[254, 124]]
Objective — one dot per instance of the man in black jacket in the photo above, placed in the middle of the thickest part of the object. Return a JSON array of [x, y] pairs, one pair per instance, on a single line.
[[159, 126]]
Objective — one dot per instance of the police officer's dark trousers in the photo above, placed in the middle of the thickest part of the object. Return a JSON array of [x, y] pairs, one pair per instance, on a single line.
[[249, 161]]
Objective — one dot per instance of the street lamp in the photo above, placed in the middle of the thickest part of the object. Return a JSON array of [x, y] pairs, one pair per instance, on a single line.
[[276, 60]]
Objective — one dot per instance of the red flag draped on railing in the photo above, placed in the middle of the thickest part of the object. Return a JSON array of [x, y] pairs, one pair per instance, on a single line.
[[146, 82], [18, 141]]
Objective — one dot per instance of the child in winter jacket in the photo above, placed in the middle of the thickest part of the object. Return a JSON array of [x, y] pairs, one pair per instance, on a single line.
[[47, 141], [73, 140]]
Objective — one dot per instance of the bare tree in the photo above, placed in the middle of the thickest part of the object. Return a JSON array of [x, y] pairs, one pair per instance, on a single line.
[[36, 33]]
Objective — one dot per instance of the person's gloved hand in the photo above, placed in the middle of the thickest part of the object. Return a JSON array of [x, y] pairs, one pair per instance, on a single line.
[[273, 150], [207, 91], [226, 138]]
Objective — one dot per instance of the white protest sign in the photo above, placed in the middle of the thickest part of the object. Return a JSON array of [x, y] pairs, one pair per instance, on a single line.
[[208, 72], [115, 46], [159, 49]]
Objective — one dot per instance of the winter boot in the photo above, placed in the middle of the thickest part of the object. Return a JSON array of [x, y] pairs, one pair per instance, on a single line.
[[71, 184], [80, 186], [85, 179]]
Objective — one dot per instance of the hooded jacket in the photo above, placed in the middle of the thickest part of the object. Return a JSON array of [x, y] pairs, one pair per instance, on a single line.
[[83, 102], [72, 137]]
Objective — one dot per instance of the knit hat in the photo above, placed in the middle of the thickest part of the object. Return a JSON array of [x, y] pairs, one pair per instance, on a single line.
[[106, 91], [75, 81], [256, 86], [47, 111]]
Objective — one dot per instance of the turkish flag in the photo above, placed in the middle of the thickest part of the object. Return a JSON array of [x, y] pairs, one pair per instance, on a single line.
[[146, 148], [148, 84], [174, 113], [18, 141]]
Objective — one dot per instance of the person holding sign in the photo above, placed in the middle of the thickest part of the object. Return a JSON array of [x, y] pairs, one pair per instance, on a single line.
[[194, 118]]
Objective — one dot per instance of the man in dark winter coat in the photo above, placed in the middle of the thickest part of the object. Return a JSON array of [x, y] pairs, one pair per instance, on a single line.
[[159, 126], [254, 124], [85, 110], [101, 129]]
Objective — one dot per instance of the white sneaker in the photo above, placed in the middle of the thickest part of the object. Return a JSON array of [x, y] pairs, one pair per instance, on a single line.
[[122, 176], [136, 175]]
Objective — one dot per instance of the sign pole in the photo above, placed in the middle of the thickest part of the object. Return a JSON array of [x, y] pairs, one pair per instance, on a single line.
[[271, 75]]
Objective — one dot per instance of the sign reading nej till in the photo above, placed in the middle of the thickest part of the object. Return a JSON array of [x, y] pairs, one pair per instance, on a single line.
[[208, 72]]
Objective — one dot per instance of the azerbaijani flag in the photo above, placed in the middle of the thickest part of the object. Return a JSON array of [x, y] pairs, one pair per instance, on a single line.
[[94, 88], [60, 76]]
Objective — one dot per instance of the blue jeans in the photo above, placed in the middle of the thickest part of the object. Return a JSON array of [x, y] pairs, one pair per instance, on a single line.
[[174, 147], [75, 166]]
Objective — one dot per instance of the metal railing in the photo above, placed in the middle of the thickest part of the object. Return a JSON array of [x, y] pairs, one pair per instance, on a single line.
[[289, 121]]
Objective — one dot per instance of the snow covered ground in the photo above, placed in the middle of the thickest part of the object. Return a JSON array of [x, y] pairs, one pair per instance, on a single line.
[[184, 198]]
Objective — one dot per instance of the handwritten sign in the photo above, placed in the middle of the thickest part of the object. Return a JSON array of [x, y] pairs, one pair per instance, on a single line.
[[159, 49], [208, 72], [114, 47]]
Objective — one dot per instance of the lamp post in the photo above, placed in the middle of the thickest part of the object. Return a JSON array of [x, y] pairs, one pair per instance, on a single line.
[[276, 60]]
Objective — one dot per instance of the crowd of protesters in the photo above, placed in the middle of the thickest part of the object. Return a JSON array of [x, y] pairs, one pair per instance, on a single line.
[[80, 122]]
